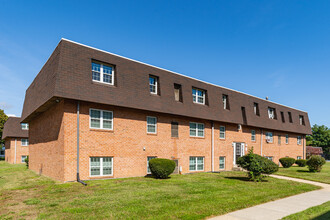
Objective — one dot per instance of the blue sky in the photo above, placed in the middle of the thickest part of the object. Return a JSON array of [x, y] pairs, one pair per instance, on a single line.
[[279, 49]]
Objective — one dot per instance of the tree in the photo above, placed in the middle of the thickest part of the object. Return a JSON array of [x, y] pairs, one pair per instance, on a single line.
[[320, 138], [3, 119]]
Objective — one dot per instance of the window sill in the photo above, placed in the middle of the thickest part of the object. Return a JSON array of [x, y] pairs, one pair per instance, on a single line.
[[152, 134], [101, 130], [222, 139], [197, 137], [202, 104], [103, 84]]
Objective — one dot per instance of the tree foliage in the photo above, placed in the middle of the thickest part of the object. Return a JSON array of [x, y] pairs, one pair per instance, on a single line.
[[3, 119], [320, 138]]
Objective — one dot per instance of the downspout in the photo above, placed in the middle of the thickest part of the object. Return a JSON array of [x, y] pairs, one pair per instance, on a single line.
[[78, 178], [212, 150], [261, 142], [15, 150]]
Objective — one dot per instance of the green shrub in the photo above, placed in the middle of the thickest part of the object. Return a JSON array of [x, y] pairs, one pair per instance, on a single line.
[[315, 163], [27, 161], [257, 166], [161, 168], [301, 162], [287, 161]]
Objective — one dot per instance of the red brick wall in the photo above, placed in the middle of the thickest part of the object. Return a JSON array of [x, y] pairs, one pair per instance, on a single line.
[[46, 135], [53, 142], [10, 150]]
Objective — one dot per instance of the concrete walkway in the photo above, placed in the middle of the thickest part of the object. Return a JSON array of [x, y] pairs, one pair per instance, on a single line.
[[283, 207]]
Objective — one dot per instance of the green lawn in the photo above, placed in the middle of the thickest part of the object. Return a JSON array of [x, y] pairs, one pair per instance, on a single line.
[[303, 173], [24, 194], [320, 212]]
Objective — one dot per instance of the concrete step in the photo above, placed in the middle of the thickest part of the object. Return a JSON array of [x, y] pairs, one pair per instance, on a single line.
[[237, 169]]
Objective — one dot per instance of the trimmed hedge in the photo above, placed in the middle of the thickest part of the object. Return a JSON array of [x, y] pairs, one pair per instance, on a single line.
[[287, 161], [315, 163], [301, 162], [161, 168], [257, 166]]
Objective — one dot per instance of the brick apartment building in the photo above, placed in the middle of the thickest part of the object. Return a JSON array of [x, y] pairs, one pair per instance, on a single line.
[[16, 139], [118, 113]]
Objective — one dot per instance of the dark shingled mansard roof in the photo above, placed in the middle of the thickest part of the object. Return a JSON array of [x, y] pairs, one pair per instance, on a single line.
[[67, 74], [12, 128]]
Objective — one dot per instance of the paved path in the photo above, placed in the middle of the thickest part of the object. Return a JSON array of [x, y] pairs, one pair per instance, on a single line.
[[283, 207]]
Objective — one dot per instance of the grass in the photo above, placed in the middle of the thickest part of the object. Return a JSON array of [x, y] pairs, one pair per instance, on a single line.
[[23, 194], [320, 212], [303, 173]]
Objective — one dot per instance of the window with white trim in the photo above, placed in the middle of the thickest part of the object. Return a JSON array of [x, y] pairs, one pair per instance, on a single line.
[[103, 73], [222, 163], [196, 163], [225, 101], [301, 120], [196, 129], [101, 119], [198, 96], [151, 125], [298, 157], [24, 142], [153, 84], [253, 135], [269, 158], [256, 108], [23, 159], [222, 132], [299, 140], [279, 139], [148, 168], [271, 113], [287, 139], [101, 166], [25, 126], [269, 137]]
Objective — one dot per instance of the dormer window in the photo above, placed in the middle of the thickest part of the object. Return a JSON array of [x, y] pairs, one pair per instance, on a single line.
[[198, 96], [103, 73], [301, 120], [177, 92], [271, 113], [256, 108], [290, 117], [25, 126], [282, 116], [225, 101], [153, 84]]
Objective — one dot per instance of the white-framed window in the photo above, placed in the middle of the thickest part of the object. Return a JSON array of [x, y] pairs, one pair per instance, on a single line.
[[198, 96], [196, 163], [279, 139], [225, 101], [298, 157], [269, 158], [253, 135], [151, 125], [100, 119], [222, 163], [24, 142], [25, 126], [271, 113], [301, 120], [153, 84], [196, 129], [148, 168], [23, 159], [101, 166], [299, 140], [103, 73], [222, 132], [287, 139], [256, 108], [269, 137]]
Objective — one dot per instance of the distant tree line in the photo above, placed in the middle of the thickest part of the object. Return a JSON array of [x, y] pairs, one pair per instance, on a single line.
[[320, 138]]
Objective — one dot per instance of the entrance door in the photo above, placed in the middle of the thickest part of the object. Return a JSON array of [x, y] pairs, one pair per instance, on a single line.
[[238, 151]]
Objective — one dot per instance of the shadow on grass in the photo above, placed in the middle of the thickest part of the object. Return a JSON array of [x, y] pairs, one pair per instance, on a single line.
[[303, 171], [325, 216], [242, 178]]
